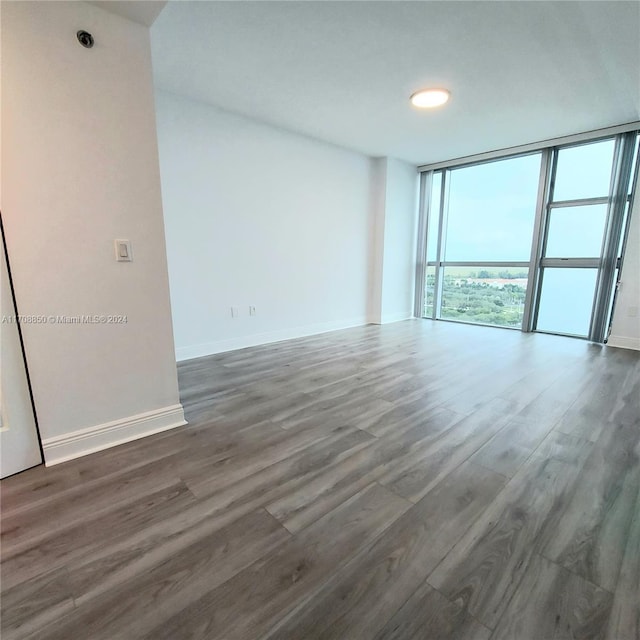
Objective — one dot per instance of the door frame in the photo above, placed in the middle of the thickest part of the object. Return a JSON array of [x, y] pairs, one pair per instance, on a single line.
[[22, 346]]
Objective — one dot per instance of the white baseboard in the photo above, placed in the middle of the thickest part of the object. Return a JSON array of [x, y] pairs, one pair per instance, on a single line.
[[109, 434], [256, 339], [391, 317], [624, 342], [396, 317]]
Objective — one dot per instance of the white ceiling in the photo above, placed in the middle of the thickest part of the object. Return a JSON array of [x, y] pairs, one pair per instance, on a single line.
[[142, 11], [342, 72]]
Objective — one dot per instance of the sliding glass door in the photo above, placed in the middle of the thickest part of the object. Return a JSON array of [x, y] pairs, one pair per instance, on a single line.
[[582, 238], [575, 228], [531, 242]]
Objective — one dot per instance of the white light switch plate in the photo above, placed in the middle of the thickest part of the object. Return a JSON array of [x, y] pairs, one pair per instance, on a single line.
[[123, 251]]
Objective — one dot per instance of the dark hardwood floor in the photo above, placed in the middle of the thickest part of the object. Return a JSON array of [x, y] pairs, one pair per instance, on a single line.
[[420, 480]]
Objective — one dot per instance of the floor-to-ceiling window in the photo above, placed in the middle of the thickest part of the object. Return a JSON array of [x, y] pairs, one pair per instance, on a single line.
[[479, 264], [532, 241]]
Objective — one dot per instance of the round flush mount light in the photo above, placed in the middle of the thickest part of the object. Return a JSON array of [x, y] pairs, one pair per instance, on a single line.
[[430, 98]]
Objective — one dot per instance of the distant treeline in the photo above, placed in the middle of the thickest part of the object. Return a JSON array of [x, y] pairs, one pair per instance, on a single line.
[[480, 302], [505, 275]]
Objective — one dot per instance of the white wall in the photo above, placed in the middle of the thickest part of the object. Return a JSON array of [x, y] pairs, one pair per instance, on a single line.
[[396, 212], [378, 210], [625, 328], [400, 228], [259, 216], [80, 168]]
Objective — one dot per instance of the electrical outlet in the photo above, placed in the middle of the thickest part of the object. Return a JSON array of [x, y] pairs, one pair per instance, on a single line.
[[235, 312], [632, 312], [252, 310]]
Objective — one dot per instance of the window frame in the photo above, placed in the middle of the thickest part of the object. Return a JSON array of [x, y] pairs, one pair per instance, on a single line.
[[623, 182]]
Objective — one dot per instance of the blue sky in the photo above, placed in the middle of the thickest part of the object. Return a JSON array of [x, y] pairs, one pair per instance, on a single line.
[[492, 206]]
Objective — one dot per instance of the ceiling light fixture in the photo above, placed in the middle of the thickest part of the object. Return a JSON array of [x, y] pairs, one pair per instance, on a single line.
[[430, 98]]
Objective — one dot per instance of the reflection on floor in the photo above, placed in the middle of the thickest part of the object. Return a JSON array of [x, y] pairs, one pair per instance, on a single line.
[[415, 480]]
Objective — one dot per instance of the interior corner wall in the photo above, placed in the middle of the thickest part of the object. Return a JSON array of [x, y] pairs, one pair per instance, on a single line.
[[396, 209], [259, 217], [625, 328], [378, 211], [80, 169], [400, 229]]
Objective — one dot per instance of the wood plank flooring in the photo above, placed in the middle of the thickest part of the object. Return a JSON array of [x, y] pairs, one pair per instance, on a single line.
[[420, 480]]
